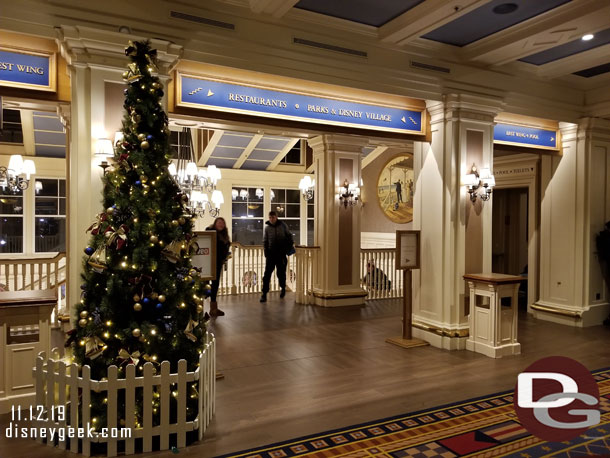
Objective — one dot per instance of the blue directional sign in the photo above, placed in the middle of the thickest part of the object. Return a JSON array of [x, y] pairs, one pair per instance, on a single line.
[[510, 134], [27, 70], [237, 98]]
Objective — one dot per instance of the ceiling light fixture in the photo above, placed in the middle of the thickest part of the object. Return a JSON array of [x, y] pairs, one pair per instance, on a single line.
[[506, 8], [588, 37]]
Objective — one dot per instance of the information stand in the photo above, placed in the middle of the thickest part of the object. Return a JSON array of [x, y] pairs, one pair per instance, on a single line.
[[407, 259]]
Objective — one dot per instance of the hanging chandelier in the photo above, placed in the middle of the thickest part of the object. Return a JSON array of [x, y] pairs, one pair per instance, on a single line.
[[17, 175], [198, 184]]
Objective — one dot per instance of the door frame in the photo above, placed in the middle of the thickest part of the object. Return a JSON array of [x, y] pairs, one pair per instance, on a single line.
[[522, 171]]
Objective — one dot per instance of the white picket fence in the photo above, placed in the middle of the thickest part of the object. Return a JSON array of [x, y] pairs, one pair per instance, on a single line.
[[59, 384]]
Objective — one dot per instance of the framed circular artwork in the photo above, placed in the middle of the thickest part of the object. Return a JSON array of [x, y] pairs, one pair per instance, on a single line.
[[395, 188]]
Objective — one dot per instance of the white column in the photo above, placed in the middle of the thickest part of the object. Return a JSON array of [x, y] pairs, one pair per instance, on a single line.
[[575, 204], [337, 229], [455, 234]]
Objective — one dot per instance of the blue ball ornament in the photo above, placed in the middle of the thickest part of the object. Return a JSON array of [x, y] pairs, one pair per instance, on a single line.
[[146, 301], [89, 250], [159, 305], [149, 137], [138, 183]]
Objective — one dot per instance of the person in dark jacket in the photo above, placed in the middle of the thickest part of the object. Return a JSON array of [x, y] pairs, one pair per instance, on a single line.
[[277, 242], [223, 245]]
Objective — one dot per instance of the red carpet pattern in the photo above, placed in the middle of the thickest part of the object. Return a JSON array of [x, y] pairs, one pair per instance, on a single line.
[[481, 427]]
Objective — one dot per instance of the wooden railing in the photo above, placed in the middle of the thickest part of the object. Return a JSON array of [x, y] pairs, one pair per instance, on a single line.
[[32, 273], [306, 261], [378, 274], [243, 271]]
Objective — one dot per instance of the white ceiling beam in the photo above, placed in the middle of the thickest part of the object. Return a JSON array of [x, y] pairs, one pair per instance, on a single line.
[[553, 28], [283, 153], [425, 17], [247, 150], [275, 8], [209, 148], [373, 155], [575, 63]]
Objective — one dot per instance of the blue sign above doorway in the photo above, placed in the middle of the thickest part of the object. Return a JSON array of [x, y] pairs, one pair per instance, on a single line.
[[237, 98], [27, 69], [510, 134]]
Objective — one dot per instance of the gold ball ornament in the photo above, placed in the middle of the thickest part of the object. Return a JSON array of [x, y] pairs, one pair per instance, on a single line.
[[145, 145], [143, 178], [136, 332], [154, 296], [199, 308], [154, 239], [141, 137], [125, 74], [188, 279], [182, 220], [157, 85], [136, 298], [175, 223], [161, 298], [110, 210], [137, 307], [152, 90], [84, 314], [82, 322]]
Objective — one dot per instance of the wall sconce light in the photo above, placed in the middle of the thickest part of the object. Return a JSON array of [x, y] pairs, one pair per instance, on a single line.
[[307, 186], [477, 179], [104, 150], [349, 194], [259, 193]]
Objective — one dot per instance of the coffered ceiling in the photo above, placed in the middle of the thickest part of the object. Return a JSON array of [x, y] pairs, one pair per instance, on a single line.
[[541, 37]]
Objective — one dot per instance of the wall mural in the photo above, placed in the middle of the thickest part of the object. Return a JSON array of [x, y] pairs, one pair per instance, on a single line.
[[395, 188]]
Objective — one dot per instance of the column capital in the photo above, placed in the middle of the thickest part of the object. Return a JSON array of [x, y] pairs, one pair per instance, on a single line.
[[95, 47], [598, 128], [474, 107], [335, 142]]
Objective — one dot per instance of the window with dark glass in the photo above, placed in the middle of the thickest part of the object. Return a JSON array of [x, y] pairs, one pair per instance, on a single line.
[[248, 215], [294, 155], [50, 215], [11, 221], [177, 140], [287, 204], [10, 128]]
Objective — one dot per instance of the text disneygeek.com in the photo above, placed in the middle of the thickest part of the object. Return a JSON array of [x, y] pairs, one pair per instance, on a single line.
[[56, 414]]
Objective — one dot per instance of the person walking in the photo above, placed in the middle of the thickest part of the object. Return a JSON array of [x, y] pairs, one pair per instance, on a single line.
[[223, 245], [278, 243]]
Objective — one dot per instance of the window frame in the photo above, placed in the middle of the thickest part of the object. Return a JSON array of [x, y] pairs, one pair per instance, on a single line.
[[35, 215]]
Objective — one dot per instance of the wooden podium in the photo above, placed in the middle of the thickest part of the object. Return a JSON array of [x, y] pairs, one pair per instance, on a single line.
[[407, 259]]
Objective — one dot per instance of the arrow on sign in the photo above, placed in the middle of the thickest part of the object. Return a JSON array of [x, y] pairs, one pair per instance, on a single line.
[[403, 119], [210, 93], [552, 139]]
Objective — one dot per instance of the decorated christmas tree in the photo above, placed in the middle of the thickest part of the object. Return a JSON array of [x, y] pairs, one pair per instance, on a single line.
[[141, 299]]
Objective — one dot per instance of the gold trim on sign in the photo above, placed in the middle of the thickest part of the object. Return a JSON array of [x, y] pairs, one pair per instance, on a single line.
[[527, 145], [544, 308], [51, 87], [182, 103], [444, 332]]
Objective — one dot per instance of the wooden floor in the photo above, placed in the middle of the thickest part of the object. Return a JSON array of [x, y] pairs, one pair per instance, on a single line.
[[293, 370]]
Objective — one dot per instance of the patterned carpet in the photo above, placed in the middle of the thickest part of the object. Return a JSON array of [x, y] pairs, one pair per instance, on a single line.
[[481, 427]]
